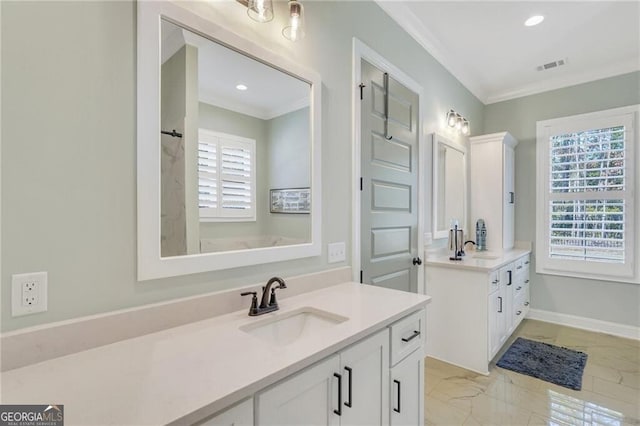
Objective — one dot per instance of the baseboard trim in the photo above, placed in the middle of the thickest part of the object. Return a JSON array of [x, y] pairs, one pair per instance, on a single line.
[[599, 326]]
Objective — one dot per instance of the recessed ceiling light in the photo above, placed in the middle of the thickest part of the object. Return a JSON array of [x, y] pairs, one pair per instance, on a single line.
[[241, 87], [534, 20]]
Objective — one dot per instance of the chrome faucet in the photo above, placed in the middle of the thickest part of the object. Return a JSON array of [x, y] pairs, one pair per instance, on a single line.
[[268, 302]]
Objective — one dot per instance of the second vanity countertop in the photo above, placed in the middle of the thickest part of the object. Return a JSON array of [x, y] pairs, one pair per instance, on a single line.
[[187, 373], [485, 261]]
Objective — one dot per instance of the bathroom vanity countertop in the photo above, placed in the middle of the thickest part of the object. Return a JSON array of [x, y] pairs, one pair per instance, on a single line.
[[470, 262], [187, 373]]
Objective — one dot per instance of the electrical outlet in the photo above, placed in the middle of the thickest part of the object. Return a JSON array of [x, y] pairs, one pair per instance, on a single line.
[[30, 290], [336, 252], [28, 293]]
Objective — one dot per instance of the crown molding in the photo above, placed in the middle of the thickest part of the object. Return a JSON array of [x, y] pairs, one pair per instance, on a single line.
[[411, 24], [403, 16], [560, 82]]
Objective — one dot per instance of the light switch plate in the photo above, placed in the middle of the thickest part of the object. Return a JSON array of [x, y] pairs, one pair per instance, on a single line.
[[28, 293], [337, 252]]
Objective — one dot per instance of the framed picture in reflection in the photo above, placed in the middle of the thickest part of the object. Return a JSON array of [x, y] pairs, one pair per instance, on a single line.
[[290, 200]]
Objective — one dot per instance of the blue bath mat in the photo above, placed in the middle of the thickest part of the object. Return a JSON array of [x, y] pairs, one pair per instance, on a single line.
[[561, 366]]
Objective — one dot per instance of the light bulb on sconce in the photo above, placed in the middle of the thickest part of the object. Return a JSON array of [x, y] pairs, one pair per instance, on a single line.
[[458, 122], [451, 118], [260, 10], [465, 127], [295, 30]]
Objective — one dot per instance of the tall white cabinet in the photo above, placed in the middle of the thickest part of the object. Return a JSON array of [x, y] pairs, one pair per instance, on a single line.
[[493, 197]]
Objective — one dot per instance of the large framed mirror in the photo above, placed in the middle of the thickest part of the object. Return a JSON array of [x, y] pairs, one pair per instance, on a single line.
[[449, 185], [223, 124]]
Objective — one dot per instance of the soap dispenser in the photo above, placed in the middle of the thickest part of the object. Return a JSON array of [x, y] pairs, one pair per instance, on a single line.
[[481, 235]]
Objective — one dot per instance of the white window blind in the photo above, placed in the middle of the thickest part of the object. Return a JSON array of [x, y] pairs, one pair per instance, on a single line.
[[585, 204], [587, 165], [226, 177]]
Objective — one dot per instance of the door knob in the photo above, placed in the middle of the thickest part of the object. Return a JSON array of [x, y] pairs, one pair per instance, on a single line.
[[417, 261]]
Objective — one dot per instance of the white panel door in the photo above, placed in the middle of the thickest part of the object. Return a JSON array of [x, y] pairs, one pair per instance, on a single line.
[[407, 390], [308, 398], [365, 382], [389, 198]]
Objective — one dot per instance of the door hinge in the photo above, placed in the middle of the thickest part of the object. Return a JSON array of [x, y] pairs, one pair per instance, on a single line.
[[360, 184], [362, 86], [360, 276]]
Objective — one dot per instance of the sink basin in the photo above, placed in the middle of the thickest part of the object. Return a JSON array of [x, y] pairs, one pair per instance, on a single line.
[[485, 256], [284, 329]]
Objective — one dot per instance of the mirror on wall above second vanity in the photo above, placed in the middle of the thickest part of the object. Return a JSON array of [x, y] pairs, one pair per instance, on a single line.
[[223, 126], [449, 185]]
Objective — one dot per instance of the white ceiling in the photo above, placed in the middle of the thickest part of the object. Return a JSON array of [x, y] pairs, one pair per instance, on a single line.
[[486, 46], [270, 92]]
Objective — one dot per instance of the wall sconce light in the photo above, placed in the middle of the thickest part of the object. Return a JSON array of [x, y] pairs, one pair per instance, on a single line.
[[455, 120], [260, 10], [295, 30]]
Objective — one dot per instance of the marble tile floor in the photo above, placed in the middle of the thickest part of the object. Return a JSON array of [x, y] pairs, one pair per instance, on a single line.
[[610, 392]]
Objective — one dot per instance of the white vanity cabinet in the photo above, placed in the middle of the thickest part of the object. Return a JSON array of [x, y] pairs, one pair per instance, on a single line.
[[407, 391], [377, 381], [492, 177], [307, 398], [475, 309]]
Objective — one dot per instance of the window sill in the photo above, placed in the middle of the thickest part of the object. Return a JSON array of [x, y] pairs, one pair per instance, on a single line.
[[226, 219], [596, 277]]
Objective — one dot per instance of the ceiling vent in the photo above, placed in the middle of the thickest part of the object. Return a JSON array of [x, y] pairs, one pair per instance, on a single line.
[[551, 65]]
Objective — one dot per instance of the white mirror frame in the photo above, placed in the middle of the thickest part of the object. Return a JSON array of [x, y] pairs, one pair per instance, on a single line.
[[150, 263], [436, 140]]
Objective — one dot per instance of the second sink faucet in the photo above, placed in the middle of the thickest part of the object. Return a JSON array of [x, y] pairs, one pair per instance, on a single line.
[[270, 299]]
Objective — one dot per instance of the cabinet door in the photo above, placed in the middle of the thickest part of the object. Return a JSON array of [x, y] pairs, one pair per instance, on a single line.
[[509, 184], [494, 318], [365, 382], [308, 398], [407, 391], [239, 415], [497, 320]]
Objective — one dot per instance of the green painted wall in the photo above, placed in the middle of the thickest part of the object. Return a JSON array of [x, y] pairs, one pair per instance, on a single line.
[[602, 300], [69, 142]]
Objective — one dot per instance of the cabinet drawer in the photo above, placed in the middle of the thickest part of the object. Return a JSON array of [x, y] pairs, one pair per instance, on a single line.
[[407, 335]]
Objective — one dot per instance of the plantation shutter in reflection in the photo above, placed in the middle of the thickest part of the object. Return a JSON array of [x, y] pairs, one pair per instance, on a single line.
[[226, 172], [207, 175], [587, 195], [236, 176]]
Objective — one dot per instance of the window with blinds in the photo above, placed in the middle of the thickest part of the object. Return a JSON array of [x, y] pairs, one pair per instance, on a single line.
[[585, 185], [226, 177], [586, 201]]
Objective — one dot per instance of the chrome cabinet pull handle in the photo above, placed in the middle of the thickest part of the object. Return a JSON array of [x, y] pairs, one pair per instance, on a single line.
[[415, 334]]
